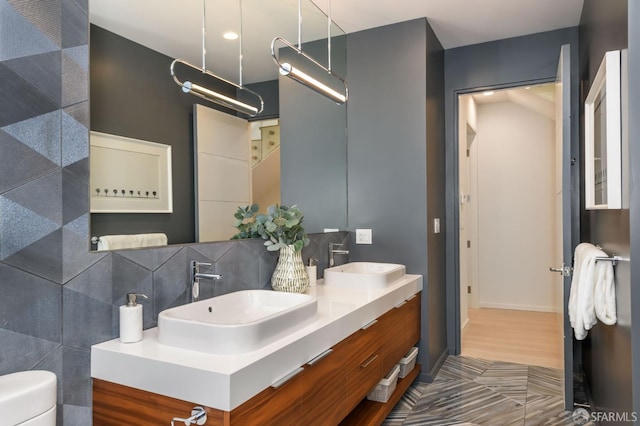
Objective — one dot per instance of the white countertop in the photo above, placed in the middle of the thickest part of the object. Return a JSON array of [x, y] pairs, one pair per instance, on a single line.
[[226, 381]]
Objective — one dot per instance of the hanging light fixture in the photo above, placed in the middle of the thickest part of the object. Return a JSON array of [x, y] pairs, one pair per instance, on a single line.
[[211, 95], [287, 69]]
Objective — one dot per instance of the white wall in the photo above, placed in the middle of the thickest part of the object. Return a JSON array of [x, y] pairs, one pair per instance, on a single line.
[[516, 207], [467, 121]]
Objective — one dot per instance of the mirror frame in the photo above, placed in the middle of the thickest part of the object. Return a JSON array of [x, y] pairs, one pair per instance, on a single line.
[[605, 84]]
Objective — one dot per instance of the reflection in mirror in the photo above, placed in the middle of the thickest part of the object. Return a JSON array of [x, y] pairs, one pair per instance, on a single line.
[[132, 94]]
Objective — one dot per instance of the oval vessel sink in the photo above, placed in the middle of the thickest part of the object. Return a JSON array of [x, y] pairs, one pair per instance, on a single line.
[[235, 323], [364, 275]]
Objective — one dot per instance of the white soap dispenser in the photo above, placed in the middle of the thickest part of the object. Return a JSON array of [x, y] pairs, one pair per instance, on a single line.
[[131, 319]]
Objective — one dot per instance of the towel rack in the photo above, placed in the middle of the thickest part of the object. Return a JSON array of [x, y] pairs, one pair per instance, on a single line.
[[613, 259], [95, 240]]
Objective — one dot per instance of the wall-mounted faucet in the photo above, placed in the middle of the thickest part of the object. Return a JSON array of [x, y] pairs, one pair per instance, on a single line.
[[194, 278], [333, 250]]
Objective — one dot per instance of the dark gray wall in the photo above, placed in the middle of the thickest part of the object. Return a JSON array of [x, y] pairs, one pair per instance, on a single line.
[[607, 349], [503, 63], [634, 192], [313, 140], [133, 95], [395, 164]]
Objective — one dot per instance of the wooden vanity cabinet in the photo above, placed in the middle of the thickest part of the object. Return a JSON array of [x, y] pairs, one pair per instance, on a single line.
[[327, 391]]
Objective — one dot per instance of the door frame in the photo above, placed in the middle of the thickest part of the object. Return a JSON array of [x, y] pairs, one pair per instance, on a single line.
[[454, 239]]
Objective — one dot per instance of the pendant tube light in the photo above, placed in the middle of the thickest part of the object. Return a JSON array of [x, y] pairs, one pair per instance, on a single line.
[[211, 95], [296, 74], [301, 77]]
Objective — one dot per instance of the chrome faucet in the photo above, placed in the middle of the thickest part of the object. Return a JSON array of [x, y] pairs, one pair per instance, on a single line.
[[333, 250], [194, 278]]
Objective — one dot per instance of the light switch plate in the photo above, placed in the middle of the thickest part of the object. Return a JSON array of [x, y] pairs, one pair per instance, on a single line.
[[364, 236]]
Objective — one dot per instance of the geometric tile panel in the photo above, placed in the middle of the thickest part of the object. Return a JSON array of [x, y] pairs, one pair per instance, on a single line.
[[43, 72], [20, 227], [19, 32], [75, 82], [75, 187], [74, 24], [21, 164], [41, 133], [30, 305], [22, 352], [75, 140], [42, 258], [42, 196], [25, 100]]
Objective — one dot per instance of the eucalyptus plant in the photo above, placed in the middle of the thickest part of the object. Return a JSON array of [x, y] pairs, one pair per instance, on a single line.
[[281, 226]]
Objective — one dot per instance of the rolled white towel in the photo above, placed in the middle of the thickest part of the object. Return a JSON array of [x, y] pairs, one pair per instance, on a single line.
[[117, 242], [576, 294], [605, 293]]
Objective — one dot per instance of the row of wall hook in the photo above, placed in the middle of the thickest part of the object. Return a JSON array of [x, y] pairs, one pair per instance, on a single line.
[[124, 193]]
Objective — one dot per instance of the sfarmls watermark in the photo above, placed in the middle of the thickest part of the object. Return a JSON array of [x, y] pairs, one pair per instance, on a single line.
[[582, 416]]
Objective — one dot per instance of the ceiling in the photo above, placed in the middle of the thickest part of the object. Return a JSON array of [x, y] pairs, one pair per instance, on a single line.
[[174, 27]]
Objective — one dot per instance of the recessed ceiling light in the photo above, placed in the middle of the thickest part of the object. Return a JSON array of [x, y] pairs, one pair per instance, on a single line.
[[230, 35], [528, 87], [488, 93]]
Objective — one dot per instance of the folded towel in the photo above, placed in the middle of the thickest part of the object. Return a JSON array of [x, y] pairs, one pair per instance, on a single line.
[[605, 293], [592, 295], [116, 242]]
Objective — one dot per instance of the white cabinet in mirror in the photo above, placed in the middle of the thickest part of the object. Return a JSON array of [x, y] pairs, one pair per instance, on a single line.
[[603, 137]]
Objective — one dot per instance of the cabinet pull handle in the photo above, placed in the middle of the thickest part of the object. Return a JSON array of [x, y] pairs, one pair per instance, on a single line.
[[320, 357], [369, 324], [286, 378], [369, 361], [399, 305], [412, 297]]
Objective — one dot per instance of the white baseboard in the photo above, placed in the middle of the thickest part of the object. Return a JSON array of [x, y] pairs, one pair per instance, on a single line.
[[465, 324], [535, 308]]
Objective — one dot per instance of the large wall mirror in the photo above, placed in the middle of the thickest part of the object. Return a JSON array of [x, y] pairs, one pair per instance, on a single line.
[[132, 95]]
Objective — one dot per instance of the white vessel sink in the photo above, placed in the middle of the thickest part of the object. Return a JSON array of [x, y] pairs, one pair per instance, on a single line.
[[236, 323], [364, 275]]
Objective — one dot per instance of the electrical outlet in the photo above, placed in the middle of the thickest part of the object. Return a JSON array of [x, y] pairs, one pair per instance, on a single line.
[[364, 236]]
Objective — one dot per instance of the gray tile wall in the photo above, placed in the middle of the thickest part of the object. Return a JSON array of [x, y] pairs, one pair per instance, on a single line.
[[56, 298]]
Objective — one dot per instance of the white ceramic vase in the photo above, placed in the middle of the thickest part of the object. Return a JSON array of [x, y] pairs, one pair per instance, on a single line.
[[290, 274]]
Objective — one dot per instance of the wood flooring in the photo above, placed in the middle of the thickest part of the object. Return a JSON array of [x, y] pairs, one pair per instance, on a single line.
[[523, 337]]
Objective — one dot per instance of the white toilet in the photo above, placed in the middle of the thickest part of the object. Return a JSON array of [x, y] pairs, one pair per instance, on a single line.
[[28, 398]]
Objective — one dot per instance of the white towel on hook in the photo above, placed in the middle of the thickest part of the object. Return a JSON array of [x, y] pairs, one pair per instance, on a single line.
[[605, 293], [581, 297], [117, 242]]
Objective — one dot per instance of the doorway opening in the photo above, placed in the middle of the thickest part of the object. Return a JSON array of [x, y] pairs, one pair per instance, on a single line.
[[509, 213]]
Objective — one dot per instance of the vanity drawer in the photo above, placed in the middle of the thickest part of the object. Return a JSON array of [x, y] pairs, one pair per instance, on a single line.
[[400, 330], [364, 362], [362, 344], [362, 379], [272, 406], [324, 390]]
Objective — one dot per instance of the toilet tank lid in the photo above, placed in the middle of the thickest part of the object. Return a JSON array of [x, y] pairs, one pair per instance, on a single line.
[[26, 394]]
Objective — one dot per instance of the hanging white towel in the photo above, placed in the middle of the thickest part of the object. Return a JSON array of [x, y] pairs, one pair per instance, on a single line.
[[592, 295], [117, 242], [605, 293]]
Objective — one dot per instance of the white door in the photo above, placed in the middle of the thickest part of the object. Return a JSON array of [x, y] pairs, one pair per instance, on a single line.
[[563, 253], [223, 172]]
